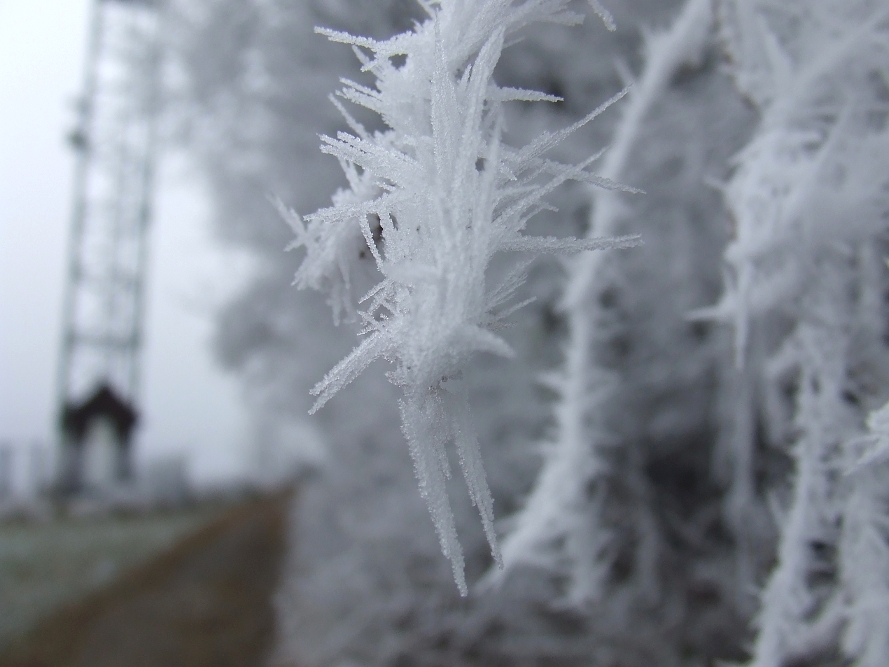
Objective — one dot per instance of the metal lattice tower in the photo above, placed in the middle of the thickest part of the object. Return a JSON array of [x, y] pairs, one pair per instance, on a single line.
[[115, 141]]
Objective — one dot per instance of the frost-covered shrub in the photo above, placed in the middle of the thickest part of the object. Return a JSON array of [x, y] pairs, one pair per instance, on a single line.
[[667, 472], [433, 199], [560, 526], [805, 285], [864, 546]]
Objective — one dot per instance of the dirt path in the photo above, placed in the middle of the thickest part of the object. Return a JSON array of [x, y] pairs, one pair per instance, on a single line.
[[206, 602]]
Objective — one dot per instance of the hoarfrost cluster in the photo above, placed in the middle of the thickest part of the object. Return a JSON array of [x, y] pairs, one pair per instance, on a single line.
[[433, 199]]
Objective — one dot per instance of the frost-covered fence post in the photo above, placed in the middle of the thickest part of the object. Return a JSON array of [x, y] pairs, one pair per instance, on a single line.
[[432, 199], [810, 200], [559, 527]]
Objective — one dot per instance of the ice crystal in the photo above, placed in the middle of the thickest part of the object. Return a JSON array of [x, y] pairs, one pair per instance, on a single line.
[[432, 199]]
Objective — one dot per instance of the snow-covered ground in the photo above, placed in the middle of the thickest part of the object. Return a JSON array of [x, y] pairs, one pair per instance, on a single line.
[[50, 562]]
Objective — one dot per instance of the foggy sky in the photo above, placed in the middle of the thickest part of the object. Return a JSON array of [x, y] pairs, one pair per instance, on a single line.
[[188, 404]]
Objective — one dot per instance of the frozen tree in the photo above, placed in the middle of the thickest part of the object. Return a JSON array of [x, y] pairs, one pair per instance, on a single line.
[[809, 202], [433, 199]]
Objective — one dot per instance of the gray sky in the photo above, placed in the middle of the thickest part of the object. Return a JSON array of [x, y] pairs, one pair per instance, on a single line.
[[188, 404]]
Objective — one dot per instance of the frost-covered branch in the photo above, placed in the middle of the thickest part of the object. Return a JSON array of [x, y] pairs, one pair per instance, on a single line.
[[432, 199], [559, 528], [809, 201], [864, 547]]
